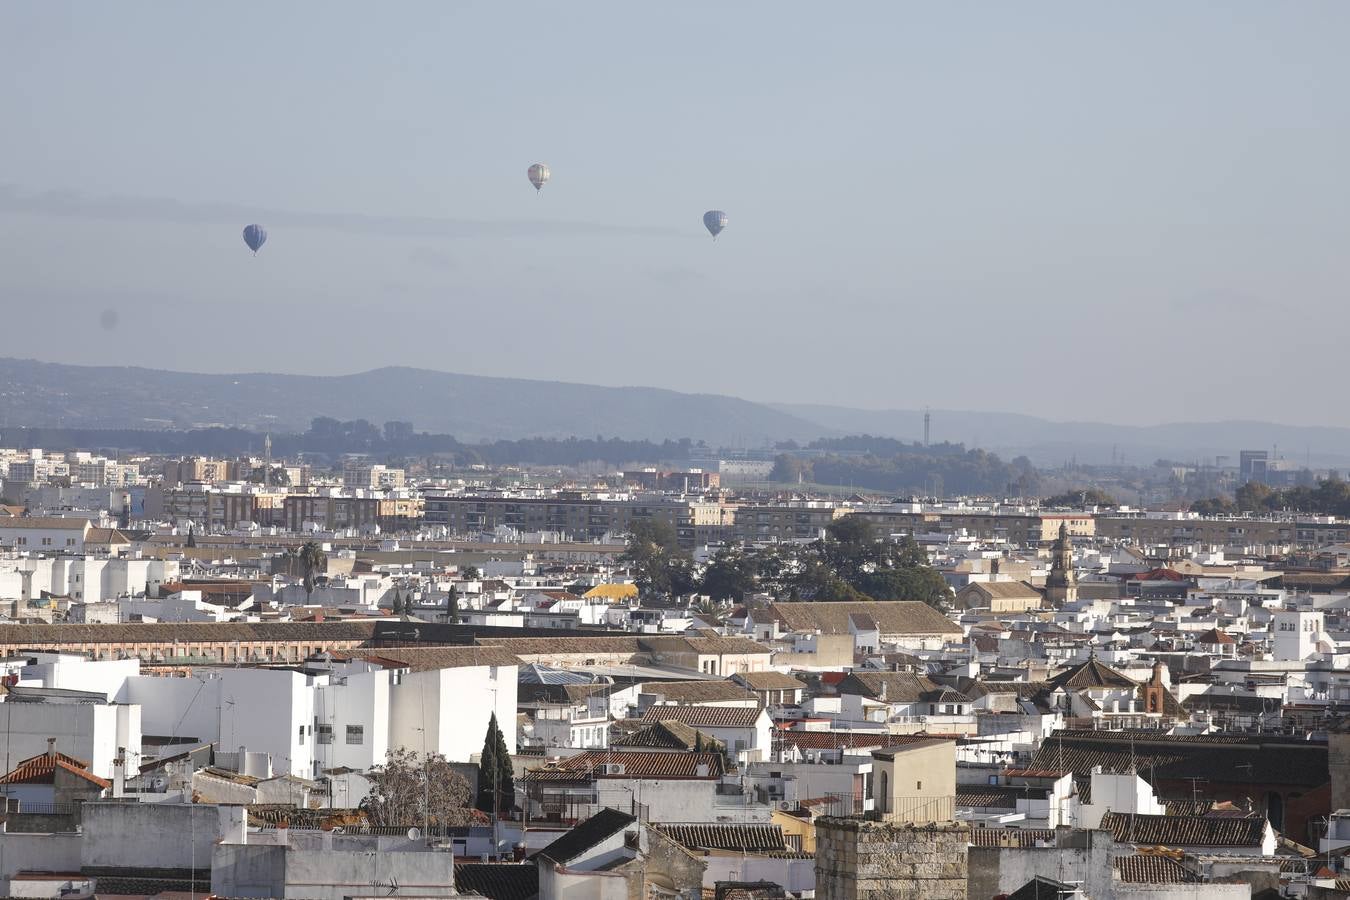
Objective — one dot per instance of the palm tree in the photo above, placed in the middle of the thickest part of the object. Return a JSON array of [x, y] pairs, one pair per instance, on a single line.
[[312, 560]]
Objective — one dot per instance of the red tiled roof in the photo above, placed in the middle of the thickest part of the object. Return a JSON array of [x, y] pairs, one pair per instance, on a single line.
[[42, 770]]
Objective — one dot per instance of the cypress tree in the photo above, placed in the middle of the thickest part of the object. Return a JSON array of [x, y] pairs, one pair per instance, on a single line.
[[496, 782], [452, 606]]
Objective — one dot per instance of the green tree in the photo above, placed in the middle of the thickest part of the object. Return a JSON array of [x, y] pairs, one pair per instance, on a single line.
[[658, 564], [470, 573], [1256, 497], [192, 536], [312, 561], [408, 789], [852, 563], [729, 575], [1214, 506], [1081, 497], [452, 605], [496, 781]]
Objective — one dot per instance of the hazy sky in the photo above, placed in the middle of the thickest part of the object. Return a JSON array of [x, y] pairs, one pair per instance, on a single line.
[[1124, 212]]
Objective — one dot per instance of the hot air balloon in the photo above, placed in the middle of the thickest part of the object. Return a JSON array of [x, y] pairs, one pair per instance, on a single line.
[[538, 175], [714, 220], [255, 236]]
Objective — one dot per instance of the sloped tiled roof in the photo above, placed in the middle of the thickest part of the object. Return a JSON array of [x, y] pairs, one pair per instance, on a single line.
[[899, 687], [770, 681], [995, 796], [1091, 674], [427, 659], [1014, 590], [705, 716], [863, 622], [1185, 831], [636, 764], [167, 632], [41, 769], [47, 523], [1242, 759], [1215, 636], [1153, 869], [1017, 837], [707, 644], [666, 735], [741, 838], [604, 824], [699, 691], [498, 881], [892, 617]]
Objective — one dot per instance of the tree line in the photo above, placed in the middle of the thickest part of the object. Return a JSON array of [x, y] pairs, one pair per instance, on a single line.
[[1329, 497], [883, 464], [332, 438], [851, 562]]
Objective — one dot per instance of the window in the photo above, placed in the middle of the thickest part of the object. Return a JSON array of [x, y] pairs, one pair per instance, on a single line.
[[325, 734], [918, 785], [302, 735], [356, 734], [46, 542], [70, 542]]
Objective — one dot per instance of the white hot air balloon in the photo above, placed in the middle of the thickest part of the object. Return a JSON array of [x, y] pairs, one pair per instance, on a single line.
[[538, 174]]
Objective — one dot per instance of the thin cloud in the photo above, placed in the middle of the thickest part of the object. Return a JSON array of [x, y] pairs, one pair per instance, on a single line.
[[155, 209]]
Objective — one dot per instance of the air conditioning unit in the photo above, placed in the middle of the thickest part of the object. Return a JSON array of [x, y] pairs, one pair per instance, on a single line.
[[612, 768], [786, 804]]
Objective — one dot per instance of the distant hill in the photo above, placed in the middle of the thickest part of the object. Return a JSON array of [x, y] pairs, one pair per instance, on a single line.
[[471, 407], [1048, 443], [476, 408]]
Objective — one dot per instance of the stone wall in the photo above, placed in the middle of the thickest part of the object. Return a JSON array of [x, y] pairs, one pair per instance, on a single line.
[[861, 860], [1338, 761]]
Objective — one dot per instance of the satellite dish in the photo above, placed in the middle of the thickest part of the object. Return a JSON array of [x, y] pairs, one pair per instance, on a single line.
[[414, 834], [159, 784]]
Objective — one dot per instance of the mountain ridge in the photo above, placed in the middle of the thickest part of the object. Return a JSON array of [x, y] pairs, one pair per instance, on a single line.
[[471, 407], [485, 407]]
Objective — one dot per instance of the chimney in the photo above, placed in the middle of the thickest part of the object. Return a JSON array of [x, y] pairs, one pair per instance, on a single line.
[[120, 773], [51, 746]]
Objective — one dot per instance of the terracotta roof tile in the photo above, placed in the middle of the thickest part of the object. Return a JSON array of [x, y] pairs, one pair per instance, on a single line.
[[705, 716], [892, 617], [1185, 831], [1153, 869], [740, 838], [41, 769]]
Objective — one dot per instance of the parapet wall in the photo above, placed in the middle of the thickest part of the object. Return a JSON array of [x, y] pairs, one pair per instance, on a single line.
[[861, 860]]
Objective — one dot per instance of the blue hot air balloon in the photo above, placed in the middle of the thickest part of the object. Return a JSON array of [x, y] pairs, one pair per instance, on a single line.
[[255, 236], [715, 220]]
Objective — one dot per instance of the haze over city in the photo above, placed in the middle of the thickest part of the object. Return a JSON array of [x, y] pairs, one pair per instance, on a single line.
[[1131, 214]]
